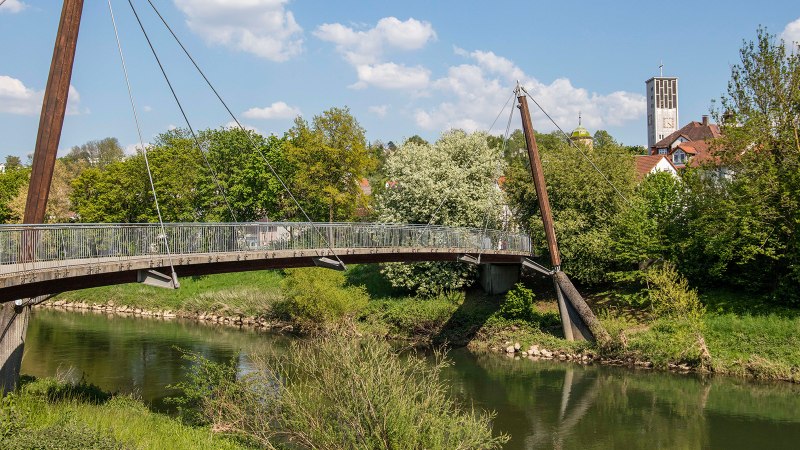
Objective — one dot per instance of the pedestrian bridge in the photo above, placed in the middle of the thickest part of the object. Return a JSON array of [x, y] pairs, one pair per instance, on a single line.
[[47, 259]]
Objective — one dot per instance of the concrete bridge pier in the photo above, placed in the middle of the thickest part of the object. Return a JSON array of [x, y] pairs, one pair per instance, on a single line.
[[498, 278]]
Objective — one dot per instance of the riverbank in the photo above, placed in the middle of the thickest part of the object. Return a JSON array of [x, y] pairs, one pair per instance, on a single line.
[[50, 414], [738, 336]]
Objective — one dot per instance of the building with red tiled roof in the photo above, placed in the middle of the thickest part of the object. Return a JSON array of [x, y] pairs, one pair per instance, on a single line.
[[649, 164], [693, 131], [366, 188]]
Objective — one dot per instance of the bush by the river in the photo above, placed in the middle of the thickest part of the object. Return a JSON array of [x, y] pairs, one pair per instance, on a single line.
[[316, 296], [518, 303], [337, 393]]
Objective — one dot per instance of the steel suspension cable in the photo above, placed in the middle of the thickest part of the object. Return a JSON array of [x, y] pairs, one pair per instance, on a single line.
[[249, 137], [575, 146], [490, 203], [141, 143], [183, 113]]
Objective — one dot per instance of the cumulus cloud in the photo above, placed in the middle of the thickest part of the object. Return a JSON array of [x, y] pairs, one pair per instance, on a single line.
[[264, 28], [16, 98], [365, 49], [12, 6], [392, 76], [277, 110], [379, 110], [477, 90], [791, 34]]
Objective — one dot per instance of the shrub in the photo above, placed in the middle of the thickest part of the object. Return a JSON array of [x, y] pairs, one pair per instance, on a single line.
[[670, 295], [342, 393], [518, 303], [318, 296]]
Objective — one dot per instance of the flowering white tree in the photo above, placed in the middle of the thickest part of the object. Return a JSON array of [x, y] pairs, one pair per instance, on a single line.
[[451, 182]]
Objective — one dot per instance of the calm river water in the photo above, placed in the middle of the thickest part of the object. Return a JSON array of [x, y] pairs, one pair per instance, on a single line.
[[540, 404]]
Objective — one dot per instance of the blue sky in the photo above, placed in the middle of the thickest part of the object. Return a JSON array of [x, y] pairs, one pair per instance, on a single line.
[[403, 67]]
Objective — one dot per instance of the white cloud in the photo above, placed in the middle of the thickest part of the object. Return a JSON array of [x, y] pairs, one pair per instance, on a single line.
[[379, 110], [364, 50], [233, 124], [16, 98], [392, 76], [277, 110], [264, 28], [367, 47], [791, 34], [476, 91], [147, 108], [132, 149], [12, 6]]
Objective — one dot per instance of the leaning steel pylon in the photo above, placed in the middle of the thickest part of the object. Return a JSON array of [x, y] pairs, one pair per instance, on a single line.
[[577, 319]]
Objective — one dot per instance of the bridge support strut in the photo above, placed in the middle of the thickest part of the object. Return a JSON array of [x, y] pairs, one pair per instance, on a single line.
[[155, 278]]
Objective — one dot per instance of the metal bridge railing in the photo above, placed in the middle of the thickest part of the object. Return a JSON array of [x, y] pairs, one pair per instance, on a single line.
[[31, 247]]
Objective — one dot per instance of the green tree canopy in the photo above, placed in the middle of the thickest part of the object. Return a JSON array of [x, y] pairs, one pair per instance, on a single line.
[[744, 220], [99, 153], [452, 182], [584, 204], [329, 158]]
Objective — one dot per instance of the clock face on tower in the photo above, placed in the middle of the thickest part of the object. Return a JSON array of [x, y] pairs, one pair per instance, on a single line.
[[669, 122]]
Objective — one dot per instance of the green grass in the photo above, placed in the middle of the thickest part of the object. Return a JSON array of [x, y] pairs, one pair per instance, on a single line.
[[763, 346], [76, 417], [247, 293]]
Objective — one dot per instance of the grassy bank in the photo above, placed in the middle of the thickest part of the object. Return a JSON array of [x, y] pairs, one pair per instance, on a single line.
[[738, 335], [46, 414], [245, 293]]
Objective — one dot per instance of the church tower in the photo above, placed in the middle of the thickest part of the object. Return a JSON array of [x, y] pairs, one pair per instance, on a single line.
[[662, 107], [581, 136]]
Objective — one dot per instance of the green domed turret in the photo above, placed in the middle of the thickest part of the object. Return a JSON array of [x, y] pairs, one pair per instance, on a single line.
[[580, 133], [581, 136]]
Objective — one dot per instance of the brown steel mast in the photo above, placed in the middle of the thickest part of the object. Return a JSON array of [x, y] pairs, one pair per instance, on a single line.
[[577, 319], [13, 316]]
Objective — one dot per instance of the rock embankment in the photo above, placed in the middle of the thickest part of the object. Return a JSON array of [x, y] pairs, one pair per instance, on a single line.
[[535, 352], [233, 320]]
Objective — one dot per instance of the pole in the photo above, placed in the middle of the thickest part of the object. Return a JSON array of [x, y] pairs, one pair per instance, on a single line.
[[13, 317], [575, 313], [538, 180]]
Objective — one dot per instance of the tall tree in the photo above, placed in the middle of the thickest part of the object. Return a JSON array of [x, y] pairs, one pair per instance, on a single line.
[[99, 153], [585, 203], [59, 206], [452, 182], [744, 224], [329, 158], [251, 189], [12, 181], [13, 162]]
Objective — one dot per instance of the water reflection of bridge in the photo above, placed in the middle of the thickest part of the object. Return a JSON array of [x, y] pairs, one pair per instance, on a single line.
[[45, 259]]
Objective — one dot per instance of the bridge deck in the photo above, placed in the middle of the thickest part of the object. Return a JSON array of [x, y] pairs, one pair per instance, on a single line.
[[44, 259]]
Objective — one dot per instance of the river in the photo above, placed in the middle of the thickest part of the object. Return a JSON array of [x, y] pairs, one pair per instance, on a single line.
[[540, 404]]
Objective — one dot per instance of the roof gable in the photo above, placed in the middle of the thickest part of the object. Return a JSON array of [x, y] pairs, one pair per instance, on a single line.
[[693, 131]]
